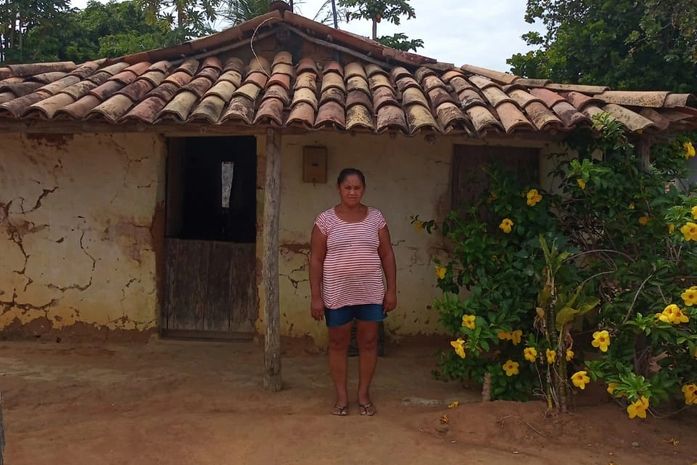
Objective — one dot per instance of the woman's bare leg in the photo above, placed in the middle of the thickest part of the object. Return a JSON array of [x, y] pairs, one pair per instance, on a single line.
[[339, 340], [367, 338]]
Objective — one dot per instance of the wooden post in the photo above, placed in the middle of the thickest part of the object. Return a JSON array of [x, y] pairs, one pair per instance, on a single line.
[[2, 433], [644, 149], [272, 311]]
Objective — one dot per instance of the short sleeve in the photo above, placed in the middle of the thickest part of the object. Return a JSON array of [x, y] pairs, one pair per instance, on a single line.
[[380, 219], [321, 222]]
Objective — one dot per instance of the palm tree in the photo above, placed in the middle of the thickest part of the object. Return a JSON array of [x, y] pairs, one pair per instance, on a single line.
[[238, 11]]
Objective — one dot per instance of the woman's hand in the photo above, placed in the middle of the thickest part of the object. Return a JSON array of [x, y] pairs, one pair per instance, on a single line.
[[390, 301], [317, 308]]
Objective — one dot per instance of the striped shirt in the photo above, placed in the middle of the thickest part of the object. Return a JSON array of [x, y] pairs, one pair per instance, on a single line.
[[352, 272]]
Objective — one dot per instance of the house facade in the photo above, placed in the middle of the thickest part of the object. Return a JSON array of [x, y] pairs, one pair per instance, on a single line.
[[136, 193]]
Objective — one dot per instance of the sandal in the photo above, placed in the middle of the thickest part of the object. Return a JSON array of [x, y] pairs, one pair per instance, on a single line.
[[368, 409], [340, 410]]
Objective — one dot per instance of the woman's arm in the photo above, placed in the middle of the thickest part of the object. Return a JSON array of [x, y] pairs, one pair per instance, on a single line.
[[389, 266], [318, 250]]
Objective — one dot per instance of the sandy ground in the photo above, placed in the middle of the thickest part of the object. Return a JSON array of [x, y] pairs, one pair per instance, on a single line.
[[175, 402]]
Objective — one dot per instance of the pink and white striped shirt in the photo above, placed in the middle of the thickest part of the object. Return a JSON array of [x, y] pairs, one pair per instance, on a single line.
[[352, 273]]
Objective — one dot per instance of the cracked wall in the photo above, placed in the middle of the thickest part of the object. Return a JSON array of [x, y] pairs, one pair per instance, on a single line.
[[405, 177], [76, 247]]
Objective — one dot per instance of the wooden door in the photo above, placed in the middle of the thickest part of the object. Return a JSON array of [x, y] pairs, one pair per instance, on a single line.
[[210, 285], [469, 179]]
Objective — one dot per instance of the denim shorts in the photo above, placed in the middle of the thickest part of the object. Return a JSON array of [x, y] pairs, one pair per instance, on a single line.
[[340, 316]]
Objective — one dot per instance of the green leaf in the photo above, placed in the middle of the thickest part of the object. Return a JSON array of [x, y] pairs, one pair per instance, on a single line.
[[564, 316]]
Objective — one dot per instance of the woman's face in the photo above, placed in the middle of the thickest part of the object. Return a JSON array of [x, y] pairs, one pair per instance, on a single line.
[[351, 190]]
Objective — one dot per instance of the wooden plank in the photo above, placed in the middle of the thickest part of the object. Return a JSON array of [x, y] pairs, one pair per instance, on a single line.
[[170, 282], [243, 292], [211, 286], [187, 263], [220, 304], [270, 234]]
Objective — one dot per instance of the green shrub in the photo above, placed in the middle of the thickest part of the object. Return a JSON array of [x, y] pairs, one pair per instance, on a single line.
[[596, 282]]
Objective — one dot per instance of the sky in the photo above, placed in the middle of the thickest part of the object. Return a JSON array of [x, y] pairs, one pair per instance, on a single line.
[[477, 32]]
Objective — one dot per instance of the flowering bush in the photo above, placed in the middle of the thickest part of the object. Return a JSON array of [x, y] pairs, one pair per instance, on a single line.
[[594, 283]]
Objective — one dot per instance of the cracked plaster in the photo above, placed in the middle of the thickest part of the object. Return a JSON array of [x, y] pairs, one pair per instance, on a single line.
[[75, 219]]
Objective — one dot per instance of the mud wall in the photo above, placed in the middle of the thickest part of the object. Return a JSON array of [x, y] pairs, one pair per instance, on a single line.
[[77, 219]]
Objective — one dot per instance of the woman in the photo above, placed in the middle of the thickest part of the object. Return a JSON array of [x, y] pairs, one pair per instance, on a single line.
[[350, 253]]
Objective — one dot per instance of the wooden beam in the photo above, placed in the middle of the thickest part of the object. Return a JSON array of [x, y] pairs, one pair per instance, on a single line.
[[2, 433], [644, 149], [270, 234]]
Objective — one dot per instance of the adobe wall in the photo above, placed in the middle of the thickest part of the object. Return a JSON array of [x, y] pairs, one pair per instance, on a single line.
[[78, 215], [77, 218]]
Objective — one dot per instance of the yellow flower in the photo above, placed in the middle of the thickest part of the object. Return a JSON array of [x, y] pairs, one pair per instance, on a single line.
[[690, 393], [459, 346], [419, 225], [468, 321], [673, 314], [511, 367], [671, 228], [694, 212], [569, 355], [516, 336], [690, 296], [551, 356], [638, 408], [440, 271], [631, 206], [643, 220], [506, 225], [504, 335], [611, 388], [581, 183], [580, 379], [689, 231], [534, 197], [530, 354], [601, 340], [689, 149]]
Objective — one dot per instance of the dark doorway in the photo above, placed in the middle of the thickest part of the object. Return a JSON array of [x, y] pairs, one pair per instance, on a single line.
[[210, 238]]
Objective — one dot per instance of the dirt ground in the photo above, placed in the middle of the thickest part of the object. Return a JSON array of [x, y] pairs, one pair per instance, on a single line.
[[177, 402]]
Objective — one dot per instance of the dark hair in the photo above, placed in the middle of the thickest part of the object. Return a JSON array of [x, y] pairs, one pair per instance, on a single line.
[[346, 172]]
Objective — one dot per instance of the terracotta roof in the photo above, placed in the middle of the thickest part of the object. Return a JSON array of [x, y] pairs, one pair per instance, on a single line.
[[371, 88]]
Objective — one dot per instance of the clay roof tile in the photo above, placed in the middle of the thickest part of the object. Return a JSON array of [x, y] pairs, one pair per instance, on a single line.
[[333, 66], [391, 117], [78, 109], [282, 57], [355, 69], [359, 116], [302, 114], [146, 111], [209, 109], [107, 89], [307, 64], [270, 111], [179, 107]]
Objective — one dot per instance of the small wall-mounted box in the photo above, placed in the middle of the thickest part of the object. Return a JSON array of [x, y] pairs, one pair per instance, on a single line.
[[314, 164]]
